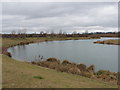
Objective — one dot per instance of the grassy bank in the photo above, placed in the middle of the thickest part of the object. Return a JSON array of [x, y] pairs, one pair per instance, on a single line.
[[109, 42], [21, 74], [78, 69], [7, 42], [18, 74]]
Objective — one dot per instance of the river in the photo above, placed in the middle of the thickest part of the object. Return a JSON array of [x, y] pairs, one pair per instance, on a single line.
[[79, 51]]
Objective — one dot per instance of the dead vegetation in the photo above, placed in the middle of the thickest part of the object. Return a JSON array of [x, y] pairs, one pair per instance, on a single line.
[[109, 42], [79, 69], [8, 54]]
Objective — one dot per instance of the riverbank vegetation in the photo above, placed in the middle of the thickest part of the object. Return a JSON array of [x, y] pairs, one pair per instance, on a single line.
[[78, 69], [16, 74], [23, 34], [109, 42], [10, 42]]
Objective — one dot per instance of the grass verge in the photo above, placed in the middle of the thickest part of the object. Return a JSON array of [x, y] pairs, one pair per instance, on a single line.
[[20, 75]]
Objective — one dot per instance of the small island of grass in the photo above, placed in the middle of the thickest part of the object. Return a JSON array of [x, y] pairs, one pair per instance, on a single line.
[[109, 42]]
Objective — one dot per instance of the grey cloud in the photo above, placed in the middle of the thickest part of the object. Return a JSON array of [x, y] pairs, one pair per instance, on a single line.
[[56, 16], [37, 10]]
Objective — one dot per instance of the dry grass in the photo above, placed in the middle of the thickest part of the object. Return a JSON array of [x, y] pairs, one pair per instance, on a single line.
[[0, 71], [109, 42], [82, 67], [7, 42], [107, 75], [78, 69], [25, 75]]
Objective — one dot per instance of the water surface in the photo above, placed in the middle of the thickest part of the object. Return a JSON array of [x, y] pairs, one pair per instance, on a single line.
[[79, 51]]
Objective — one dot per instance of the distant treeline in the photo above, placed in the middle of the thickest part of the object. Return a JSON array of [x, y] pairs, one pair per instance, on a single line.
[[96, 34]]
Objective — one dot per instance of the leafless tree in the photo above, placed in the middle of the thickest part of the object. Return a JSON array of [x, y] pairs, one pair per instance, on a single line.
[[86, 31], [60, 31], [74, 33], [23, 31], [13, 32], [52, 32], [41, 32]]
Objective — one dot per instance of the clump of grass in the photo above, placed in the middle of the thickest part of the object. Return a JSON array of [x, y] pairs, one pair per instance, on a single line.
[[65, 62], [87, 74], [91, 69], [109, 42], [100, 72], [53, 60], [38, 77], [82, 67], [44, 64], [79, 69], [106, 75], [74, 70], [52, 65], [8, 54], [100, 42]]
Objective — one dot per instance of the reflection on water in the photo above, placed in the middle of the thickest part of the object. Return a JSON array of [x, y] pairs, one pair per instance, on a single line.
[[79, 51]]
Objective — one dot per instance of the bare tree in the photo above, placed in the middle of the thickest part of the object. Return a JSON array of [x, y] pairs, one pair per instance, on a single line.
[[52, 32], [74, 33], [64, 33], [60, 31], [23, 31], [86, 31], [19, 32], [13, 32], [41, 32], [47, 32]]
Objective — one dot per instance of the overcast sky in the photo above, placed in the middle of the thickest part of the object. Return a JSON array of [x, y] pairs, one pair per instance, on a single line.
[[65, 16]]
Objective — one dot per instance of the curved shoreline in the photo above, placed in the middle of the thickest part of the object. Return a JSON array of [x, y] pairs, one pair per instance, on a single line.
[[4, 49], [25, 43], [32, 42]]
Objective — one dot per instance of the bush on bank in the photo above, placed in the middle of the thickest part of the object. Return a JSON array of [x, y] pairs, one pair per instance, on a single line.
[[79, 69]]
